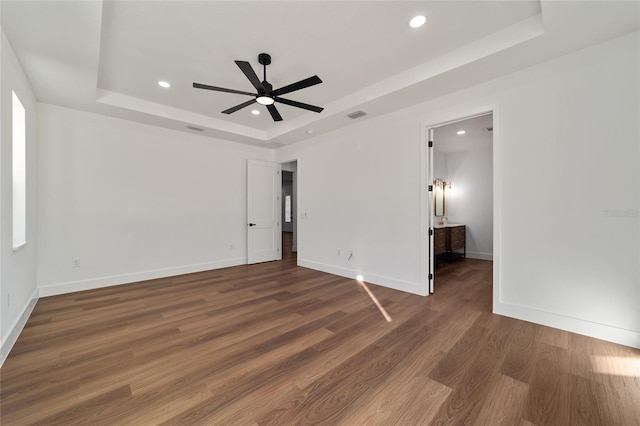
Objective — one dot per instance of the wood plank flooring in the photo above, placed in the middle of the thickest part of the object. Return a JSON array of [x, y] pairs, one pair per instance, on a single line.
[[277, 344]]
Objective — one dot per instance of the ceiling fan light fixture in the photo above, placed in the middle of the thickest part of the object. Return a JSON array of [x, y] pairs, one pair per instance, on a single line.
[[265, 100]]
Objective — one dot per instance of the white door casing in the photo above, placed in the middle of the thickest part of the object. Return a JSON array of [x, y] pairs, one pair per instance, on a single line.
[[264, 238], [430, 205]]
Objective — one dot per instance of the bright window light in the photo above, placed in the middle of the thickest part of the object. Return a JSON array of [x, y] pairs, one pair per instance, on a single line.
[[287, 208], [616, 365], [19, 167], [373, 297]]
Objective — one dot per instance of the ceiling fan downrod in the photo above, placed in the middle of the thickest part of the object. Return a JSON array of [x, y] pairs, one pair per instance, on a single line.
[[264, 59]]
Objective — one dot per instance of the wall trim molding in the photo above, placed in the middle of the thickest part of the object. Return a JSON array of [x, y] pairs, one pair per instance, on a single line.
[[17, 327], [93, 283], [480, 256], [574, 325], [406, 286]]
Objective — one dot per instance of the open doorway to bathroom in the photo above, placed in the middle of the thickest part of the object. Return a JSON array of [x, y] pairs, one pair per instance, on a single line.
[[462, 199]]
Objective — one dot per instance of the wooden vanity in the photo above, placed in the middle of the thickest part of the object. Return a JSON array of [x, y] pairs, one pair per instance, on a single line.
[[449, 242]]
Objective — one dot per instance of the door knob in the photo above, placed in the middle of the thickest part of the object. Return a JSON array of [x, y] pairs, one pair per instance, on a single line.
[[252, 224]]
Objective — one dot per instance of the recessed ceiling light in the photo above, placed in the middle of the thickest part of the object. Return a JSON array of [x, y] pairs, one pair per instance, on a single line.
[[255, 112], [417, 21], [461, 132], [164, 84]]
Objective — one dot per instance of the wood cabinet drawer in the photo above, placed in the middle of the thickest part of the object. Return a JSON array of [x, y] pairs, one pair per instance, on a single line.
[[456, 238], [439, 241]]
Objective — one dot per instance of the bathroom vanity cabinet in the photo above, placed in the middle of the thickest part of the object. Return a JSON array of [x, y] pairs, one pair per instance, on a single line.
[[449, 241]]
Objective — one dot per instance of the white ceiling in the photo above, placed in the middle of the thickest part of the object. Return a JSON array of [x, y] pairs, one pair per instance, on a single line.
[[106, 57], [446, 138]]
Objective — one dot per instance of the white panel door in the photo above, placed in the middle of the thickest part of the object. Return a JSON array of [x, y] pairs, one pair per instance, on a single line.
[[264, 237]]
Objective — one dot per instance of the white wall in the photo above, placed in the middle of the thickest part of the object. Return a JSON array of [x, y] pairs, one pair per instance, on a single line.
[[18, 282], [359, 191], [566, 159], [569, 152], [440, 169], [132, 202], [470, 199]]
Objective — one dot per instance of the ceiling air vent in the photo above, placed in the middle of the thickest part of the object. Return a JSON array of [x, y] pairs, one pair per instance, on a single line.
[[357, 114], [197, 129], [488, 129]]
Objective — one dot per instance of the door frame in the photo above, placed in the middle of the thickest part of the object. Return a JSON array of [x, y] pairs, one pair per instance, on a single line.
[[426, 178]]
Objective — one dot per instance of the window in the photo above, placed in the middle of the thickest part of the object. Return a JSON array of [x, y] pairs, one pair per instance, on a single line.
[[19, 174], [287, 208]]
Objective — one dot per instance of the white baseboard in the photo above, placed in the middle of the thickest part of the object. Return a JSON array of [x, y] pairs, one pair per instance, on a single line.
[[393, 283], [93, 283], [480, 256], [16, 327], [587, 328]]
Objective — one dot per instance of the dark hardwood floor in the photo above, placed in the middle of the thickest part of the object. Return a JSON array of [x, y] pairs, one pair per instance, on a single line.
[[279, 344], [287, 246]]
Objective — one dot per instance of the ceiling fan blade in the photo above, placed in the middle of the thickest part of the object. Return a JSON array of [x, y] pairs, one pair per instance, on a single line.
[[237, 107], [299, 104], [251, 75], [311, 81], [221, 89], [274, 113]]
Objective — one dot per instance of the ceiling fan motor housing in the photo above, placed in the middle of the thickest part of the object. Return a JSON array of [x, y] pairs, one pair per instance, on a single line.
[[268, 88]]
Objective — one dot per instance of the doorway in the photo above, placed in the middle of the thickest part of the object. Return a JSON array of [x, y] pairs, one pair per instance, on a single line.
[[289, 210], [460, 199]]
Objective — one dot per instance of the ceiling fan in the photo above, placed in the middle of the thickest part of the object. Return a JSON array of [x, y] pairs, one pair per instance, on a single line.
[[265, 94]]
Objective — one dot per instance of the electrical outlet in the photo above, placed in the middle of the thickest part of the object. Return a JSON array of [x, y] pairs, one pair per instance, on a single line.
[[76, 263], [230, 246]]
